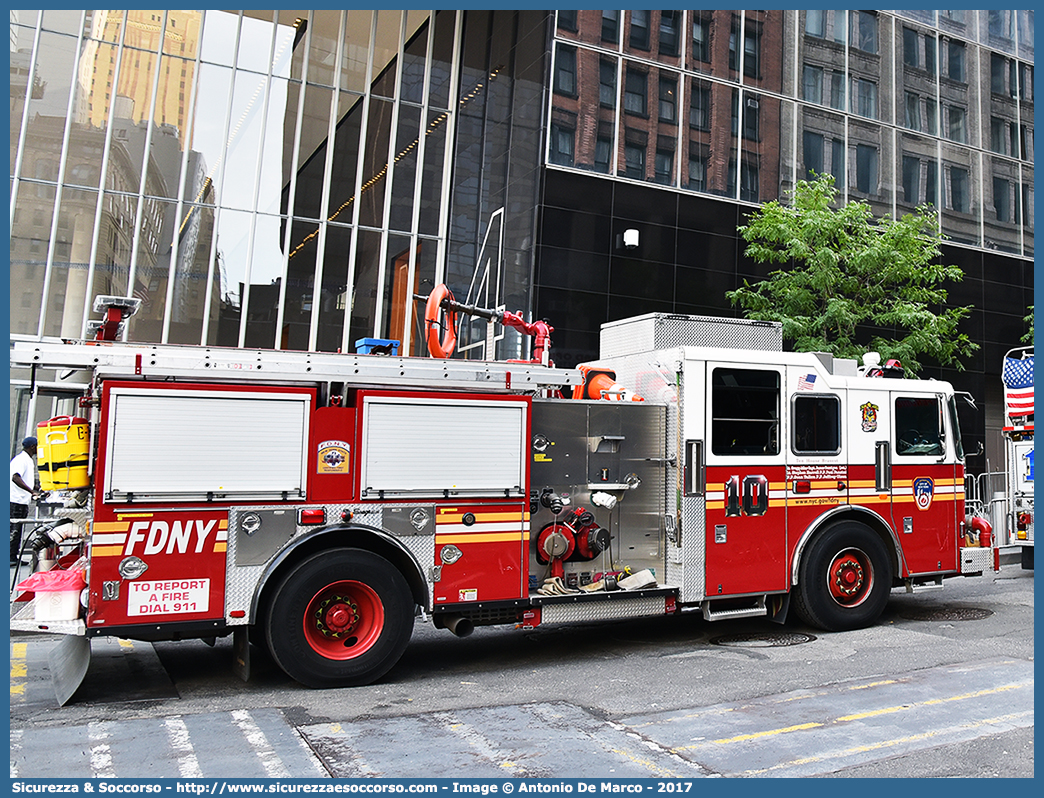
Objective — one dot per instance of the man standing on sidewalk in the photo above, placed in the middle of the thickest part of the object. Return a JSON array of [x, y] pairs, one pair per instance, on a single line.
[[23, 480]]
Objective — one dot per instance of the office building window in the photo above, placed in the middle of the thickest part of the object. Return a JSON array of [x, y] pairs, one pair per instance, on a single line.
[[562, 144], [813, 154], [664, 165], [913, 111], [955, 60], [1001, 24], [751, 111], [699, 108], [931, 111], [837, 162], [635, 92], [748, 187], [565, 71], [752, 118], [607, 82], [911, 47], [611, 26], [1025, 143], [812, 84], [815, 23], [668, 99], [929, 53], [701, 39], [640, 30], [1026, 206], [931, 184], [1002, 199], [603, 151], [567, 20], [911, 180], [697, 171], [751, 48], [957, 128], [837, 90], [998, 73], [864, 31], [998, 135], [866, 169], [1025, 82], [670, 22], [864, 98], [634, 161], [959, 189]]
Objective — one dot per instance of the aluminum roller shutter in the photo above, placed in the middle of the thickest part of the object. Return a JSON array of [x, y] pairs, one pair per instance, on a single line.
[[188, 444], [430, 447]]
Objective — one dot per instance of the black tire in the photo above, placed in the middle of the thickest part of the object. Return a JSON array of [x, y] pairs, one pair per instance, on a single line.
[[844, 579], [340, 618], [1027, 558]]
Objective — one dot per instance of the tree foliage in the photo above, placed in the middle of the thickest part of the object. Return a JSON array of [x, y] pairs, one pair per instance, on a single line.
[[1028, 337], [850, 283]]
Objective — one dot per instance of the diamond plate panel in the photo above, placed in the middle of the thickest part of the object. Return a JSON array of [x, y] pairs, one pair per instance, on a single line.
[[241, 580], [974, 560], [600, 611], [693, 548], [665, 330]]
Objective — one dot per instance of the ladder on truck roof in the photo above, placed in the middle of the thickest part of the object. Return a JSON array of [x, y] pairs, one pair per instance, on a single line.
[[227, 364]]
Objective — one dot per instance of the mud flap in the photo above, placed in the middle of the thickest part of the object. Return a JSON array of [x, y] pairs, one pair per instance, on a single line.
[[778, 606], [68, 662]]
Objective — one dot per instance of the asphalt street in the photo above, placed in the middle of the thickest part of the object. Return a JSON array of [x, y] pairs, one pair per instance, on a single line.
[[942, 686]]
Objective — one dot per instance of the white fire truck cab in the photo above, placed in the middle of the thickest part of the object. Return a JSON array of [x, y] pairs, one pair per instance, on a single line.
[[317, 503]]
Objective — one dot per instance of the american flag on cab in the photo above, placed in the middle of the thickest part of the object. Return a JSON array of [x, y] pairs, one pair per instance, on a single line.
[[1017, 376], [807, 383]]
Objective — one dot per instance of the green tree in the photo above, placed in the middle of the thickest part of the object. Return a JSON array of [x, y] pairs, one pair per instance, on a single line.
[[1028, 337], [850, 283]]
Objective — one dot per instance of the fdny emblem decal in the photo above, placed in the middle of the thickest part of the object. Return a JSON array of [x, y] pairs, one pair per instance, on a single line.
[[869, 411], [924, 490], [333, 457]]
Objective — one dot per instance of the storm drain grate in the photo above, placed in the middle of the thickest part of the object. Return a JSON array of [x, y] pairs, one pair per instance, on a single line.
[[946, 614], [778, 640]]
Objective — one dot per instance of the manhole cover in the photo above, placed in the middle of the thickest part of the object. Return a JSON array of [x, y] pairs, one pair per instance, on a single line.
[[946, 614], [763, 640]]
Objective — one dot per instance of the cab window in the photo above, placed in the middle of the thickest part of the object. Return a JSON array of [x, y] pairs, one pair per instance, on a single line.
[[817, 425], [917, 422], [745, 412]]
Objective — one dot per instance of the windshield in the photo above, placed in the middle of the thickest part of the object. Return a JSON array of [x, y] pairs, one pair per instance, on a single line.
[[958, 447]]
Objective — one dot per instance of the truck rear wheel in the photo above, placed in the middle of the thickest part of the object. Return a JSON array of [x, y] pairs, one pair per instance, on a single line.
[[844, 579], [340, 618]]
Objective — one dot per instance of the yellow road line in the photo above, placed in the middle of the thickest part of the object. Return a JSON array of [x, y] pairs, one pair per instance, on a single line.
[[858, 716]]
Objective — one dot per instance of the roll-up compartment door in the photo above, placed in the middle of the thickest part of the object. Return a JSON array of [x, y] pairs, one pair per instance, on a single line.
[[200, 444], [444, 446]]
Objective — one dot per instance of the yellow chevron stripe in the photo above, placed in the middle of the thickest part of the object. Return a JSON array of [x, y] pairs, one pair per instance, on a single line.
[[457, 517], [106, 551], [495, 537], [110, 526]]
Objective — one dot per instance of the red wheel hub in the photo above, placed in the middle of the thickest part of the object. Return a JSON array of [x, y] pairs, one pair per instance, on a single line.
[[850, 577], [344, 620]]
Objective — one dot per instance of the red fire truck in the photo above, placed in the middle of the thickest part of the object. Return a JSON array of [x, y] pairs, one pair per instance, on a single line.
[[317, 503]]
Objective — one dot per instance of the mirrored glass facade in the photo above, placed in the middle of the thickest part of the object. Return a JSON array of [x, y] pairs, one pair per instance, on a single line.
[[271, 179]]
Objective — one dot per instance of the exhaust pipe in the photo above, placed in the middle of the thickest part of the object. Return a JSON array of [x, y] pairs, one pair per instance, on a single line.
[[458, 624]]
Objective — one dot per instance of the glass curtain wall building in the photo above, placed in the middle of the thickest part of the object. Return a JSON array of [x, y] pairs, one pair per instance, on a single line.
[[291, 179], [267, 179]]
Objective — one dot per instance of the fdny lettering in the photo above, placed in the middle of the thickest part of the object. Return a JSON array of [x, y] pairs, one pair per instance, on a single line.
[[159, 536]]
